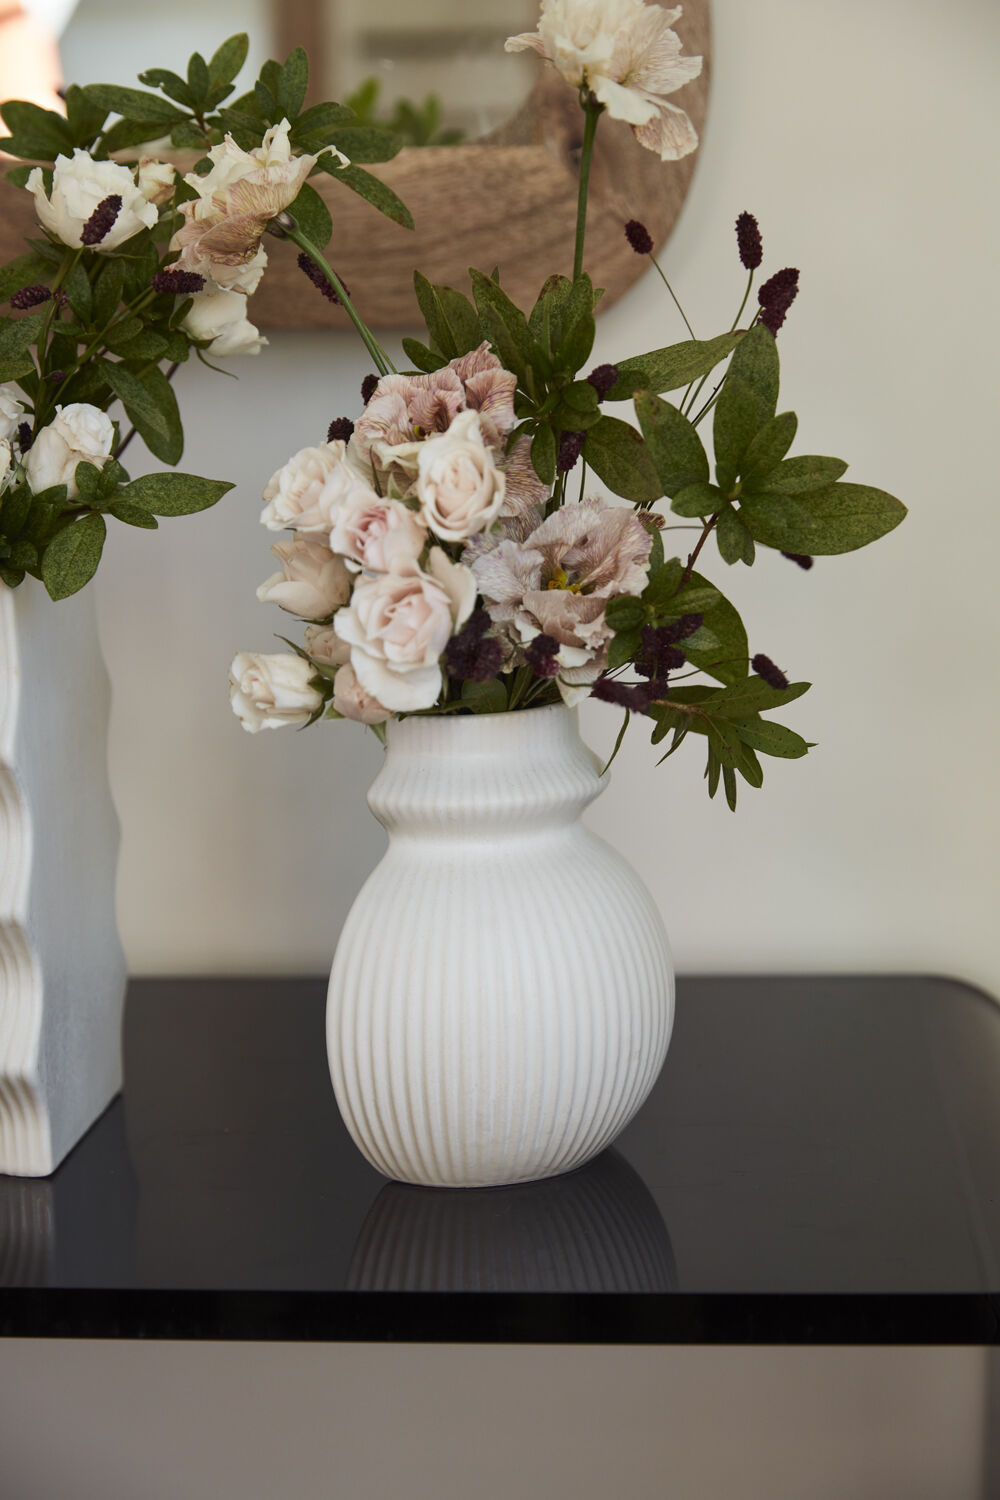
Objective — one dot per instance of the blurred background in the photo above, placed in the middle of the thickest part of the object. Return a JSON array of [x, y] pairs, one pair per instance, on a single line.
[[863, 138]]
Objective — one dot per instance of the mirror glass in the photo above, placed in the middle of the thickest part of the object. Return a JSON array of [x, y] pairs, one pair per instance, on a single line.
[[400, 54]]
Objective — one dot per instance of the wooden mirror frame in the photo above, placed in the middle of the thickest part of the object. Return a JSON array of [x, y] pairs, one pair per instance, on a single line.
[[507, 200]]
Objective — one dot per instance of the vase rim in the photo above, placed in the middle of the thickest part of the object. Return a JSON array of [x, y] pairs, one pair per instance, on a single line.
[[557, 723]]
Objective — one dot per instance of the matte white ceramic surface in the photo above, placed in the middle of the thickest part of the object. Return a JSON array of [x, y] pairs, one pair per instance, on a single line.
[[502, 994], [62, 971]]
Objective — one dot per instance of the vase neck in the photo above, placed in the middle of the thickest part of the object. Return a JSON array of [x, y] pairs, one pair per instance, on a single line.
[[489, 772]]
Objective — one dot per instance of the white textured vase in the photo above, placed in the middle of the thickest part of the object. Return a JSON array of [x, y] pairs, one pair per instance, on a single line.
[[62, 971], [502, 994]]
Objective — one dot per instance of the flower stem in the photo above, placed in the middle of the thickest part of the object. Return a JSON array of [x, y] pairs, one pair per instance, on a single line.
[[673, 294], [592, 111], [382, 361]]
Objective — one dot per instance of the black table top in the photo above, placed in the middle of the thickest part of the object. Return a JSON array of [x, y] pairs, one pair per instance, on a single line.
[[819, 1163]]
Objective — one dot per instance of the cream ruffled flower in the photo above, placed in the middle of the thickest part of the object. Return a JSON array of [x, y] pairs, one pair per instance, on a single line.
[[627, 55], [79, 185], [272, 691]]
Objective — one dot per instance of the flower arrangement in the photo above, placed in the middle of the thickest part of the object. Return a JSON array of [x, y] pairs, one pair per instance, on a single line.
[[152, 206], [444, 550]]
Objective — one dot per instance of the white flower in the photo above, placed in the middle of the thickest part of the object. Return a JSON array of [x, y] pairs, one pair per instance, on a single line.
[[221, 316], [268, 692], [458, 484], [77, 434], [307, 492], [237, 199], [626, 54], [155, 180], [79, 185], [376, 534], [312, 582], [397, 626], [324, 645], [351, 700], [12, 410]]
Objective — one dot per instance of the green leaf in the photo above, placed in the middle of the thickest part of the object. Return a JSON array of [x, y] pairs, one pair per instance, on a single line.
[[728, 662], [39, 133], [452, 321], [421, 357], [656, 550], [151, 407], [734, 428], [372, 189], [88, 478], [503, 323], [672, 368], [366, 143], [228, 59], [625, 612], [755, 365], [485, 697], [734, 538], [198, 78], [798, 475], [122, 333], [319, 120], [76, 285], [17, 335], [713, 771], [108, 290], [695, 599], [562, 324], [673, 443], [729, 782], [133, 104], [753, 696], [617, 454], [841, 518], [71, 558], [24, 554], [26, 270], [543, 454], [697, 500], [174, 494], [769, 447], [15, 509], [663, 585], [293, 83], [133, 515], [312, 216], [178, 90], [623, 647], [83, 116], [773, 739], [145, 344]]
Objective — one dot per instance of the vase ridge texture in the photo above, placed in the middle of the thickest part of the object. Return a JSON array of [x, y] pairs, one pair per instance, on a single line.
[[62, 971], [502, 994]]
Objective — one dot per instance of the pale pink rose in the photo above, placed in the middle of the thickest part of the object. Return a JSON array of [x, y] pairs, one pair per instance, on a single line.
[[155, 180], [325, 646], [459, 485], [398, 624], [306, 493], [312, 582], [269, 692], [79, 433], [626, 54], [376, 534], [237, 199], [559, 579], [351, 700]]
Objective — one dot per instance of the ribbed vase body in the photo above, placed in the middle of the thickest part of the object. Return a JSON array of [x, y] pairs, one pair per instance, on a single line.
[[502, 993]]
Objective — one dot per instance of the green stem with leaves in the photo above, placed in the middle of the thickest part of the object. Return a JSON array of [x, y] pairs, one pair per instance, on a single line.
[[592, 111], [382, 361]]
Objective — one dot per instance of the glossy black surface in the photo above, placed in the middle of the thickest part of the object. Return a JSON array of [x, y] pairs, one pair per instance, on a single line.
[[819, 1162]]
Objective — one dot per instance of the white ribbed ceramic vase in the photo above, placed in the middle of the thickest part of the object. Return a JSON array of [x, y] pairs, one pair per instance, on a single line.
[[502, 994]]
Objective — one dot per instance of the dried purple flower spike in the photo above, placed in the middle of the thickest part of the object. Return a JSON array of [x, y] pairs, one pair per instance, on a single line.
[[639, 237], [801, 558], [541, 656], [30, 296], [24, 437], [658, 655], [368, 388], [776, 297], [634, 698], [472, 655], [604, 378], [100, 222], [570, 448], [768, 672], [748, 241], [312, 270], [177, 283], [340, 430]]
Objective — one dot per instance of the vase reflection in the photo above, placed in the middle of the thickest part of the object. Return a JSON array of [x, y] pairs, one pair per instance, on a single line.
[[595, 1230]]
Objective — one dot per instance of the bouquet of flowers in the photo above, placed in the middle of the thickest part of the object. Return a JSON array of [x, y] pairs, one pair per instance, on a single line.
[[443, 546], [152, 206]]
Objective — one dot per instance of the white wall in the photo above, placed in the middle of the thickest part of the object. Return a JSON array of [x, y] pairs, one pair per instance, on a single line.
[[863, 137]]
